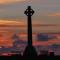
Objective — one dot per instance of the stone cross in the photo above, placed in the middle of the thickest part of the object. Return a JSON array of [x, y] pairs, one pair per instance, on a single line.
[[29, 12]]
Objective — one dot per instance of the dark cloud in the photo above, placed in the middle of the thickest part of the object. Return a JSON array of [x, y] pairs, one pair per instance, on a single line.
[[54, 46], [45, 37]]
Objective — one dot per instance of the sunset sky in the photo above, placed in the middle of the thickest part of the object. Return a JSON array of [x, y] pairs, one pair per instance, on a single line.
[[46, 11], [13, 20]]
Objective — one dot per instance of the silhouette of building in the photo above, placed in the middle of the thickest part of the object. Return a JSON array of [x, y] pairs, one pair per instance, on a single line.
[[51, 54], [43, 53], [30, 50]]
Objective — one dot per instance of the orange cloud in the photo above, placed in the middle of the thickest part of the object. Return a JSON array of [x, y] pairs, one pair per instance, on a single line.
[[10, 1], [54, 14], [6, 22]]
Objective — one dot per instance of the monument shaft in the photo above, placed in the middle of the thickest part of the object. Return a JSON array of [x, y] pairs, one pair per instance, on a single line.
[[29, 31], [30, 50]]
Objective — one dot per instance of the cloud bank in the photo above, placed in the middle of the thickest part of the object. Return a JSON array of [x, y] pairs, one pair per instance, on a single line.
[[54, 14], [10, 1]]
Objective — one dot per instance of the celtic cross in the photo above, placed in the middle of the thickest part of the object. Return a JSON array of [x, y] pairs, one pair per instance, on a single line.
[[29, 12]]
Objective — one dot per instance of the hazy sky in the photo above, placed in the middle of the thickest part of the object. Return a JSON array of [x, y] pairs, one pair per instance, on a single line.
[[46, 11]]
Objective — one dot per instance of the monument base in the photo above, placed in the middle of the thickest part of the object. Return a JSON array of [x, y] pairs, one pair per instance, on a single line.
[[30, 51]]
